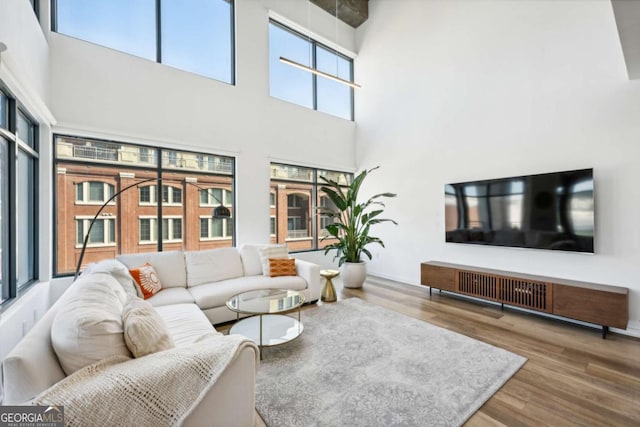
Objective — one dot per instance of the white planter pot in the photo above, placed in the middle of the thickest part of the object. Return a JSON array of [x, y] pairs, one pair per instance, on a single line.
[[353, 274]]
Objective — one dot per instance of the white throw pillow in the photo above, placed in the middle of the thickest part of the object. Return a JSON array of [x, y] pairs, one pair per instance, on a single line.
[[212, 265], [251, 262], [89, 328], [269, 252], [119, 271], [144, 330]]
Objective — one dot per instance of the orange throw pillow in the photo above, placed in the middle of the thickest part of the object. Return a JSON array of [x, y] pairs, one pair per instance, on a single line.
[[282, 267], [147, 279]]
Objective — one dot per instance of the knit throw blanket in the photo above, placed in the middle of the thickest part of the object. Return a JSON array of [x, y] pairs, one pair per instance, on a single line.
[[159, 389]]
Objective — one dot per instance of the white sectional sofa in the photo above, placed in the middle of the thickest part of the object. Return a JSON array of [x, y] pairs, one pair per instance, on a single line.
[[196, 286], [209, 278]]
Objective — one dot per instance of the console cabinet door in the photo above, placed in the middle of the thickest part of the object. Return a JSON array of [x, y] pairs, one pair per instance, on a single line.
[[590, 305], [438, 277]]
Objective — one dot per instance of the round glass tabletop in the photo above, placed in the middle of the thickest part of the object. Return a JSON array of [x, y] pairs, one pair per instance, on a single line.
[[265, 301]]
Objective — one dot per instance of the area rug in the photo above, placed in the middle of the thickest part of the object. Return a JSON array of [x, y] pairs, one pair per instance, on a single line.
[[357, 364]]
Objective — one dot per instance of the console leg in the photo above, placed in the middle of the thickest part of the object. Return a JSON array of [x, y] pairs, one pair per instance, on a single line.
[[430, 290], [605, 329], [502, 306]]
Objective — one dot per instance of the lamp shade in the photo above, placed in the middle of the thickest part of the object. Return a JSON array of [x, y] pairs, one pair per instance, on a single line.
[[221, 212]]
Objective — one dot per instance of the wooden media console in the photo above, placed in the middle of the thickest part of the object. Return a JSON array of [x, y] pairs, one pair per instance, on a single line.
[[607, 306]]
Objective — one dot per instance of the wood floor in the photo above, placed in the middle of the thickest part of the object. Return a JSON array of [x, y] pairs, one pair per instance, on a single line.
[[572, 377]]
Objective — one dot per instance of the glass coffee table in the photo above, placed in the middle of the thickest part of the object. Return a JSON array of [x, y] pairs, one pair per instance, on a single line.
[[268, 325]]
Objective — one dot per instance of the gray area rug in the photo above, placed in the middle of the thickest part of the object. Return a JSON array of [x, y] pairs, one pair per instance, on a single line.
[[358, 364]]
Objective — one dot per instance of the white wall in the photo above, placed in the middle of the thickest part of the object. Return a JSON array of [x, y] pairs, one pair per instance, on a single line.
[[101, 92], [466, 90]]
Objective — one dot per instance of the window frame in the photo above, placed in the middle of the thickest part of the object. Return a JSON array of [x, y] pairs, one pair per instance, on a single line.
[[13, 286], [315, 183], [210, 220], [314, 45], [108, 189], [226, 170], [86, 219], [211, 201]]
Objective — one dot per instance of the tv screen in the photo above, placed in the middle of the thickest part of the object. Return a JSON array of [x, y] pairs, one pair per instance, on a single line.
[[546, 211]]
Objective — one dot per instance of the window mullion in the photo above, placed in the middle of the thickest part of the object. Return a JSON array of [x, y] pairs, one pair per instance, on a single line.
[[158, 32], [313, 75]]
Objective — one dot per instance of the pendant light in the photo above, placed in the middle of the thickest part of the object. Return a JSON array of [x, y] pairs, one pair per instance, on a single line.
[[313, 70]]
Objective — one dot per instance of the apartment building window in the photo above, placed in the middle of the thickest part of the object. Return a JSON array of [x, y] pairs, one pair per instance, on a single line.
[[301, 87], [170, 195], [296, 196], [18, 197], [172, 229], [148, 230], [215, 196], [215, 228], [149, 217], [94, 192], [195, 36], [102, 233]]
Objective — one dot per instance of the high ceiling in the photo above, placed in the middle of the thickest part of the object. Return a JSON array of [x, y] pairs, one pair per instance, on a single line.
[[351, 12]]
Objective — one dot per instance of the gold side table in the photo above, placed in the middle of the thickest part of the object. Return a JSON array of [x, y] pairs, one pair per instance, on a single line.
[[328, 292]]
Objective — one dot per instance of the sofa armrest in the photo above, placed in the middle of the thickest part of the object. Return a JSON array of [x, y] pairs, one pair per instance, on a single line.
[[231, 400], [310, 272]]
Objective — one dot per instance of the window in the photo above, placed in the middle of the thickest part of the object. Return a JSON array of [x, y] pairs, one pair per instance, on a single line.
[[302, 87], [170, 195], [18, 197], [325, 220], [4, 111], [215, 197], [102, 233], [215, 228], [272, 200], [5, 249], [147, 230], [296, 224], [94, 192], [171, 230], [36, 7], [195, 36], [25, 129], [89, 171]]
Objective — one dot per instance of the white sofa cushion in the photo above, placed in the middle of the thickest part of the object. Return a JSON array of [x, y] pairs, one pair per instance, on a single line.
[[216, 294], [171, 296], [169, 265], [89, 327], [185, 322], [251, 261], [270, 252], [119, 271], [144, 330], [212, 265]]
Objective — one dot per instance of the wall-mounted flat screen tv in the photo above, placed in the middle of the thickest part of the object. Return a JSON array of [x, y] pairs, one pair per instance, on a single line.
[[546, 211]]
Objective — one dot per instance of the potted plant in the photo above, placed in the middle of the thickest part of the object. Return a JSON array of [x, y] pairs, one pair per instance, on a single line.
[[351, 226]]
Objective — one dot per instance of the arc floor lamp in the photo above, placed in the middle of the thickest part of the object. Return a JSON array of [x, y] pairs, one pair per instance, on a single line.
[[219, 212]]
